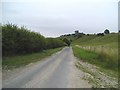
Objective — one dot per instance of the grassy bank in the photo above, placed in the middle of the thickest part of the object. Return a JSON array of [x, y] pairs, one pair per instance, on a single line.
[[110, 40], [99, 50], [11, 62], [95, 58]]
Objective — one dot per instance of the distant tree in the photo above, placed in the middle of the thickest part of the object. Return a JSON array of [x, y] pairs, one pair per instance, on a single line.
[[70, 40], [100, 34], [67, 41], [106, 31], [81, 34], [73, 34], [68, 34], [88, 34]]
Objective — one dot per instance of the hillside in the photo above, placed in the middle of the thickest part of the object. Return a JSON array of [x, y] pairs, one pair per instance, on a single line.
[[109, 40], [99, 50]]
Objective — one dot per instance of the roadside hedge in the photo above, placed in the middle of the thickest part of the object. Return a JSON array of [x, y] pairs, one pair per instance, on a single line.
[[20, 40]]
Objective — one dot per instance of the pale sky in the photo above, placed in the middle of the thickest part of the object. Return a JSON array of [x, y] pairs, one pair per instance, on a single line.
[[53, 18]]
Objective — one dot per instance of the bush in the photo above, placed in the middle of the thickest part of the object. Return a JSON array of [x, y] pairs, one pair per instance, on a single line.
[[17, 40], [54, 43], [67, 41], [100, 34]]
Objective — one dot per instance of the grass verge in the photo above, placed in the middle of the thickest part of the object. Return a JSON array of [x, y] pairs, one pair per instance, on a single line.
[[11, 62], [95, 58]]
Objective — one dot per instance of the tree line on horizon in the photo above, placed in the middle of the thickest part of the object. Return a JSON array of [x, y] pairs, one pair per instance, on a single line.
[[77, 34], [20, 40]]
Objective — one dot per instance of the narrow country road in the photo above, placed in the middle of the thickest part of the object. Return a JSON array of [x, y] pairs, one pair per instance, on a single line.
[[57, 71]]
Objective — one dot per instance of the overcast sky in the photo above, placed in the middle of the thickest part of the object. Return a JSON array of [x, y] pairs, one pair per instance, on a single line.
[[52, 18]]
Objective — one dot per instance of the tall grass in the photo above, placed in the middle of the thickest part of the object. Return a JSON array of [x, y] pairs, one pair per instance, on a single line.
[[99, 59], [105, 46], [107, 52]]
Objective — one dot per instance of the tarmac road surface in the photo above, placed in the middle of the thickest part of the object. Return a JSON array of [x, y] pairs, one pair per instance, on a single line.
[[55, 71]]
